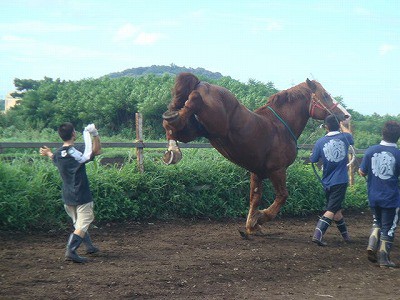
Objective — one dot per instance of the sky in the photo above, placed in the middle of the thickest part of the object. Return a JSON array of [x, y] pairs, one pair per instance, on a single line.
[[351, 47]]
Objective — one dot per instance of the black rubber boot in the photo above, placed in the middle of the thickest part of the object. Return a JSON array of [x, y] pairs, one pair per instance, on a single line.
[[341, 226], [384, 254], [90, 248], [373, 243], [73, 244], [322, 225]]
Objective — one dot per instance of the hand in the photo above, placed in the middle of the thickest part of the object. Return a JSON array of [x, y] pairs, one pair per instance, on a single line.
[[91, 128], [45, 151], [345, 126]]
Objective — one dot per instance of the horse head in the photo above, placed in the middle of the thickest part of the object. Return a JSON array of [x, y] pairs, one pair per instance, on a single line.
[[322, 104]]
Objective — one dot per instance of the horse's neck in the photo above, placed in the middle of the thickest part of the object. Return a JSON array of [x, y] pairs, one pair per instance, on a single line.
[[295, 117]]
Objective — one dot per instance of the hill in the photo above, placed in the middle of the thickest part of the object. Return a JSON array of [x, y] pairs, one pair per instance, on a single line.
[[161, 70]]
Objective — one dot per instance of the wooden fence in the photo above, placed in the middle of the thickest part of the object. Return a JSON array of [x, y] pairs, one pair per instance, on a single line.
[[139, 144]]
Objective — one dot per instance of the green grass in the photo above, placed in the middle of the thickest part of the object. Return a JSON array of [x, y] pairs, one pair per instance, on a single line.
[[202, 185]]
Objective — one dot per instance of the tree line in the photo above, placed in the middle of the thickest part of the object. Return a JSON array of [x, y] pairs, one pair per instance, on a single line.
[[112, 101]]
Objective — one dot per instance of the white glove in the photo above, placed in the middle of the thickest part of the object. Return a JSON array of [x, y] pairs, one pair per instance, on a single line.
[[92, 130]]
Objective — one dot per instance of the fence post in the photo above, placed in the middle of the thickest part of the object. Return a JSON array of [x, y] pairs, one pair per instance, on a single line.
[[139, 139]]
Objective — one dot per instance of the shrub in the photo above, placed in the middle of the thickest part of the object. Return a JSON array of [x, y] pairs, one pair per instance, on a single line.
[[202, 185]]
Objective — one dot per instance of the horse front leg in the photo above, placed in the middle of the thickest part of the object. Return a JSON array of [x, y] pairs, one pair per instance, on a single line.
[[256, 189], [176, 120], [179, 125], [278, 179]]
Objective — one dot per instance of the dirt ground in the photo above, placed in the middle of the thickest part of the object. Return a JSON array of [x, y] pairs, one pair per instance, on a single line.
[[199, 260]]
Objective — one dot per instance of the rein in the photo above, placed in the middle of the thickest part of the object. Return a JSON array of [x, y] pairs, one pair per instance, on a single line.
[[284, 123]]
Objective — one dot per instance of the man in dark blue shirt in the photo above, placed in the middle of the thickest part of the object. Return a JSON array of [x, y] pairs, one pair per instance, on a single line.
[[70, 160], [333, 149], [381, 163]]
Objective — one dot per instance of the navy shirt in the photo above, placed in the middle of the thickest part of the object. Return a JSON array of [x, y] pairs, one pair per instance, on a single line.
[[75, 189], [381, 163], [333, 150]]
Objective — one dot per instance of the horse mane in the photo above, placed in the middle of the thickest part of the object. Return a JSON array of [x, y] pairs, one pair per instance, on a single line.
[[185, 83], [300, 91]]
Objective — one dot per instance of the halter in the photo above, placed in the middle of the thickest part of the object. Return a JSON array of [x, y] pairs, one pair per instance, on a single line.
[[314, 103], [317, 103]]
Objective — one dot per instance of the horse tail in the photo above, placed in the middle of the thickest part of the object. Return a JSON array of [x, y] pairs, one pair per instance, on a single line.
[[185, 83]]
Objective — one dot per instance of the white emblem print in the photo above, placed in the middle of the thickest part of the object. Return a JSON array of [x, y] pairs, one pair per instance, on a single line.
[[382, 164], [334, 150]]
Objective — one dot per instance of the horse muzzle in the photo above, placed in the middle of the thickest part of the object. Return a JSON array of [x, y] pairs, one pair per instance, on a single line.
[[346, 115], [173, 155]]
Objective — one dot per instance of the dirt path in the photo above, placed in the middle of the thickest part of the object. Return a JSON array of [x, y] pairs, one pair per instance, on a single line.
[[199, 260]]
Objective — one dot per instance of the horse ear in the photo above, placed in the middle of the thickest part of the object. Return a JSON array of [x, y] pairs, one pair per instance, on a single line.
[[311, 85]]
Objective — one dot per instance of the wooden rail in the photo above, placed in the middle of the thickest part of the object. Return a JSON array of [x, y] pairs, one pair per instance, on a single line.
[[139, 144], [142, 145], [155, 145]]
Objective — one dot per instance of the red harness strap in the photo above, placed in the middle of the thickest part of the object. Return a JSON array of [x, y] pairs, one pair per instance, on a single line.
[[318, 104]]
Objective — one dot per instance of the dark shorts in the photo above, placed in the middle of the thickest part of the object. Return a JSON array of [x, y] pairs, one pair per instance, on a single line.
[[335, 196]]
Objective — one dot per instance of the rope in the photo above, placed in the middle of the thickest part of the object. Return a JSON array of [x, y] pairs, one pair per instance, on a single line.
[[284, 123], [317, 175]]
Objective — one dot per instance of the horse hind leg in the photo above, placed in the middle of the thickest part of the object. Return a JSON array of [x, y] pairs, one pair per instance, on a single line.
[[278, 180], [256, 217]]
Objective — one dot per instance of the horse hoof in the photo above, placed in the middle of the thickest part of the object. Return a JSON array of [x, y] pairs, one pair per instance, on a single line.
[[172, 157], [170, 115], [243, 234]]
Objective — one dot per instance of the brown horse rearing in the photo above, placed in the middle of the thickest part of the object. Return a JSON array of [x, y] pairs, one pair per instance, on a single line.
[[264, 141]]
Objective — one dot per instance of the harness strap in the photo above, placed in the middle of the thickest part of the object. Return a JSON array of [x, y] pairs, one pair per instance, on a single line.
[[284, 123], [318, 104]]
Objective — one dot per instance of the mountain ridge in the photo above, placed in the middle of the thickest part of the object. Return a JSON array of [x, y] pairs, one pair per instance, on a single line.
[[161, 70]]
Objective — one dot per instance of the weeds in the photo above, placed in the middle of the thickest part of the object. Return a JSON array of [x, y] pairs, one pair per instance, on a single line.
[[202, 185]]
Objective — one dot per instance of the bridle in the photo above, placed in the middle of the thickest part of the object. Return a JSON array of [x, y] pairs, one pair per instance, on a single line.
[[314, 103], [317, 103]]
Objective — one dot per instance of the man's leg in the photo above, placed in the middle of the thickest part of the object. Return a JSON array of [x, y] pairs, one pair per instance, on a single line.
[[374, 237], [75, 239], [390, 219], [86, 217]]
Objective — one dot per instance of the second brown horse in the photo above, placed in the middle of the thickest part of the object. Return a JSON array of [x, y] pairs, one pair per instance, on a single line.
[[264, 141]]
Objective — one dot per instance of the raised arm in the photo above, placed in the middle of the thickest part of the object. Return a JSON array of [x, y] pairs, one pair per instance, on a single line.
[[96, 150], [96, 145]]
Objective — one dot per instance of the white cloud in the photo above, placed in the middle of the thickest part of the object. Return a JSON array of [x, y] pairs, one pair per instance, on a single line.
[[14, 39], [361, 11], [129, 32], [147, 38], [41, 27], [262, 25], [386, 48], [22, 49], [126, 32], [273, 25]]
